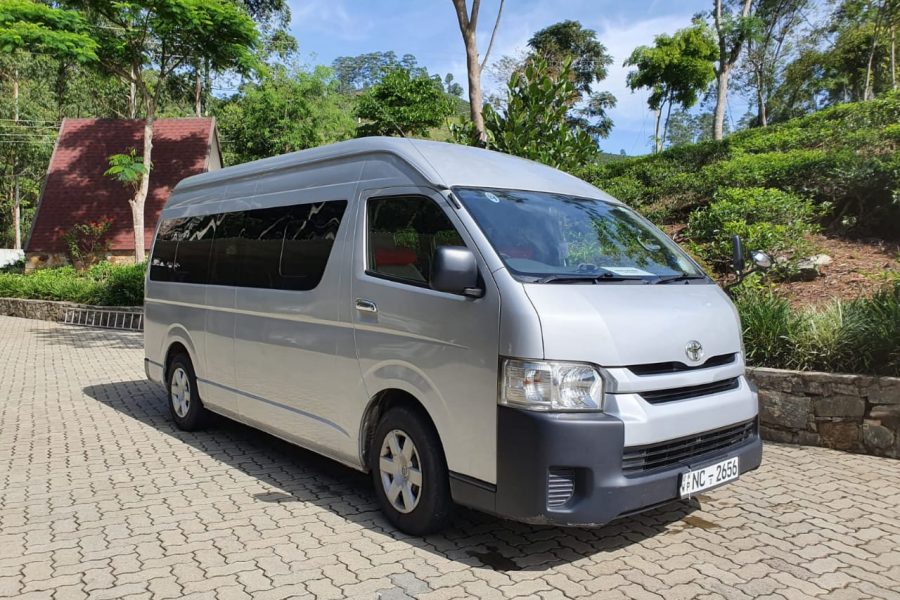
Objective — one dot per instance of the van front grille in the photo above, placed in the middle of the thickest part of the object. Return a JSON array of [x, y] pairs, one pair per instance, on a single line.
[[676, 367], [692, 391], [560, 487], [637, 459]]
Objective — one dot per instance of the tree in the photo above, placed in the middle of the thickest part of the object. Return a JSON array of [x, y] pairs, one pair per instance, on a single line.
[[732, 29], [768, 45], [365, 70], [558, 44], [403, 104], [146, 43], [468, 26], [535, 123], [452, 88], [289, 109], [676, 69], [845, 59], [26, 26], [686, 127], [569, 41]]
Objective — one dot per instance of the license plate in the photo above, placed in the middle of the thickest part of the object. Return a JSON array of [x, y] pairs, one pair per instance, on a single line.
[[708, 477]]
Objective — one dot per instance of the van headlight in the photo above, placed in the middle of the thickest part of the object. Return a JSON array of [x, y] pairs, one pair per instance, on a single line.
[[548, 385]]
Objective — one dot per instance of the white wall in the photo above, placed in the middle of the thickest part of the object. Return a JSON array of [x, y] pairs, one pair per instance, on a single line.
[[8, 256]]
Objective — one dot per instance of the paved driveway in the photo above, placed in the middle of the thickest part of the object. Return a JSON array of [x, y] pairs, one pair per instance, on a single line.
[[100, 496]]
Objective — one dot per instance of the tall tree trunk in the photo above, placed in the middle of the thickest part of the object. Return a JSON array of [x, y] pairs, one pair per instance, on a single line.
[[868, 89], [893, 57], [761, 117], [666, 125], [16, 200], [476, 104], [657, 142], [132, 96], [728, 56], [468, 26], [721, 102], [17, 213], [207, 84], [140, 197], [198, 93]]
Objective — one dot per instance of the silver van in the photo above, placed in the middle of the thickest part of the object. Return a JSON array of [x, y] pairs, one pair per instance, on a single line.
[[468, 326]]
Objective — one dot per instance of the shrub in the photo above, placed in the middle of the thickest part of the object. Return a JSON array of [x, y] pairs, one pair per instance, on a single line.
[[121, 285], [846, 158], [859, 336], [14, 267], [87, 242], [767, 219], [103, 284]]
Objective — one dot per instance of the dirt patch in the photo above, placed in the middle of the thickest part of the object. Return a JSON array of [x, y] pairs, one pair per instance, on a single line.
[[858, 268]]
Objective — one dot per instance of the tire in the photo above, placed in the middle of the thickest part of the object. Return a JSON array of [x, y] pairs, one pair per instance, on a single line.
[[414, 489], [185, 406]]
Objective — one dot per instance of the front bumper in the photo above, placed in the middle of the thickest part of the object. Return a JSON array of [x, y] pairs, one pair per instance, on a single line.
[[588, 449]]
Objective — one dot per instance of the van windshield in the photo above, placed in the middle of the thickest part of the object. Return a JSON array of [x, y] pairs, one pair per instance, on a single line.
[[553, 238]]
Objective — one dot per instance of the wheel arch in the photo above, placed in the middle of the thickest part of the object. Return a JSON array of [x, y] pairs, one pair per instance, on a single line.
[[379, 404], [178, 342]]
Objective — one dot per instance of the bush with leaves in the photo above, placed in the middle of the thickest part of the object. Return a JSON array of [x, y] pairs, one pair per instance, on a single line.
[[845, 158], [103, 284], [536, 124], [403, 104], [766, 219], [856, 336], [88, 242]]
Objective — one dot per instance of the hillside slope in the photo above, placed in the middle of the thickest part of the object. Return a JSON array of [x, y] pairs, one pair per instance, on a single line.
[[846, 158]]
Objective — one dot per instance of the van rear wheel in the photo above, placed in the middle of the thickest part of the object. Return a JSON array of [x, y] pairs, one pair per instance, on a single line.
[[185, 406], [409, 473]]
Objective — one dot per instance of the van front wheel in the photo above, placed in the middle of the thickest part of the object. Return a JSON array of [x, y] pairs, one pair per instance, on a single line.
[[409, 473]]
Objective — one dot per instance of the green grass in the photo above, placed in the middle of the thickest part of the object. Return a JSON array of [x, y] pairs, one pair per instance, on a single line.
[[856, 336]]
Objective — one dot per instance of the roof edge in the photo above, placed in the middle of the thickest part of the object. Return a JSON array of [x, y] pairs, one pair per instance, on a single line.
[[37, 208]]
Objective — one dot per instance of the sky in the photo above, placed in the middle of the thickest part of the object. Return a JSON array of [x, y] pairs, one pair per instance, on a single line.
[[428, 29]]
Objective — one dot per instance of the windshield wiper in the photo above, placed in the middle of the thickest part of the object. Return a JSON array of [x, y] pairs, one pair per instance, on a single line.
[[571, 278], [677, 278]]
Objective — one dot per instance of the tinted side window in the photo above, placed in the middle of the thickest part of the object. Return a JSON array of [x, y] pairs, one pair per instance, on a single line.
[[162, 263], [259, 246], [308, 239], [224, 261], [277, 248], [402, 235], [192, 254]]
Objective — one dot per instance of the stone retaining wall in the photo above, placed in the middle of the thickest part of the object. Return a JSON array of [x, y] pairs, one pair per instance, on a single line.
[[50, 310], [856, 413]]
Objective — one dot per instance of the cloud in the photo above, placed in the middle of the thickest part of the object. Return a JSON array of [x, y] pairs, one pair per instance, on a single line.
[[621, 38], [330, 17]]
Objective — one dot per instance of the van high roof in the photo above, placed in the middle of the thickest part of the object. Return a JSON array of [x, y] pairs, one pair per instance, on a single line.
[[440, 164]]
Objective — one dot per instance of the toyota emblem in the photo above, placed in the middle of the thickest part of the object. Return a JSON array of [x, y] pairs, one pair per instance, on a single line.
[[694, 350]]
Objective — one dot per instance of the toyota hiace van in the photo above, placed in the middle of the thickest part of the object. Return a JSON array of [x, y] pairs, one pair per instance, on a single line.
[[470, 327]]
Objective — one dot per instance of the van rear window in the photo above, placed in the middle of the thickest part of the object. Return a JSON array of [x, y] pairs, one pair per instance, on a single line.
[[285, 247]]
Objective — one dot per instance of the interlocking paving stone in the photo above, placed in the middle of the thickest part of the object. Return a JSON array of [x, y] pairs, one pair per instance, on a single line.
[[101, 497]]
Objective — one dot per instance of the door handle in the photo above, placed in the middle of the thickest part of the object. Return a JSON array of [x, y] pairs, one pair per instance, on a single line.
[[364, 305]]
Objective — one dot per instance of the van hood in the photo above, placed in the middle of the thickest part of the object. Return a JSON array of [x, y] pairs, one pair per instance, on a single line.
[[621, 325]]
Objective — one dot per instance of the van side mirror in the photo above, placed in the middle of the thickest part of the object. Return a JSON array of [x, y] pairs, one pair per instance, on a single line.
[[737, 254], [455, 271]]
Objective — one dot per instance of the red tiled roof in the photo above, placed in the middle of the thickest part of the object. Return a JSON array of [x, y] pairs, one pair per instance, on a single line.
[[76, 191]]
